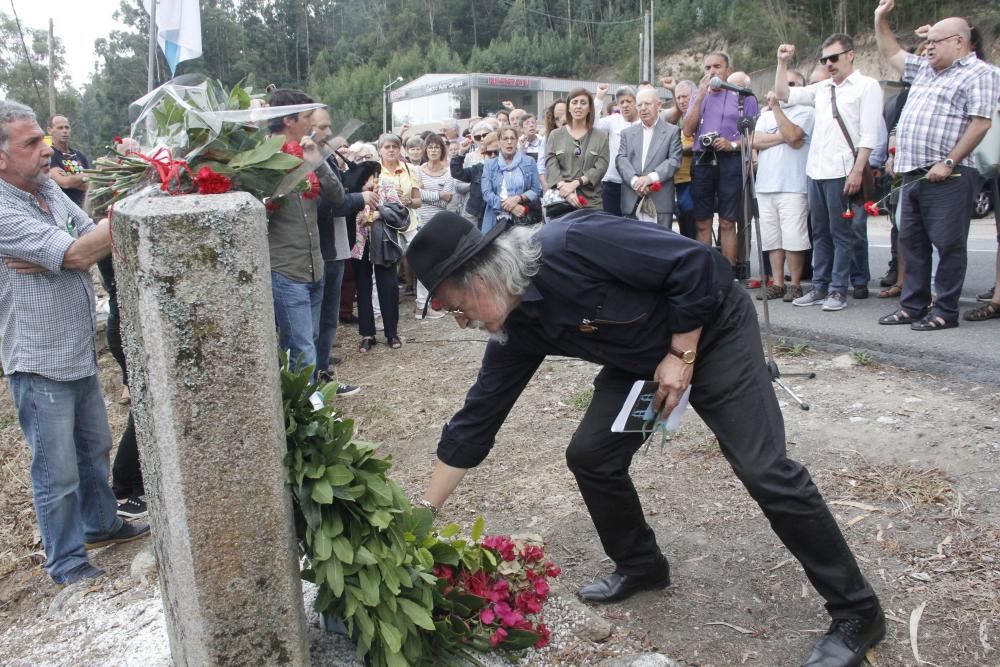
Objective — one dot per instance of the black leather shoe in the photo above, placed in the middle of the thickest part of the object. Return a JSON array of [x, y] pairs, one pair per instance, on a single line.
[[617, 586], [860, 292], [889, 279], [847, 640]]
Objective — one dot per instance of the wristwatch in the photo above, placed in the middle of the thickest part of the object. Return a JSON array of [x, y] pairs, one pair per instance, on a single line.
[[948, 162], [687, 356], [734, 145]]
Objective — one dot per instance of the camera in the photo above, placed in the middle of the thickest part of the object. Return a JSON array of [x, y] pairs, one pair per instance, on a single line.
[[708, 139]]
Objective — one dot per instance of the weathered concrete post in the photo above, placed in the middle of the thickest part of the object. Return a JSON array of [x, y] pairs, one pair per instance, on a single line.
[[193, 279]]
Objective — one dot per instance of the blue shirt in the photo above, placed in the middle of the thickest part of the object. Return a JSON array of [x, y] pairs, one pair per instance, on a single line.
[[607, 293], [47, 319]]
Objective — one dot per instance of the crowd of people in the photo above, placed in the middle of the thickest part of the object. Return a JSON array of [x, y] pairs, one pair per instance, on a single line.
[[451, 216]]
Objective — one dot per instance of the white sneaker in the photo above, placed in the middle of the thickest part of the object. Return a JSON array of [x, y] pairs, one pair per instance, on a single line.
[[811, 298], [836, 301], [431, 314]]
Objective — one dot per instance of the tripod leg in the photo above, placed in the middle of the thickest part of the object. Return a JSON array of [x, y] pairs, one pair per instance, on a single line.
[[788, 390]]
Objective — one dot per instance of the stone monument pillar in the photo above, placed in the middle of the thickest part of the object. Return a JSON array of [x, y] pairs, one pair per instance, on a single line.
[[193, 278]]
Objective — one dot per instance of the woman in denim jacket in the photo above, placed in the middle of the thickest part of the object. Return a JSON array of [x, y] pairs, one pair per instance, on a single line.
[[510, 183]]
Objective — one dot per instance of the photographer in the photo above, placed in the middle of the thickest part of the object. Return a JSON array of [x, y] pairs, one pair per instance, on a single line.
[[716, 173]]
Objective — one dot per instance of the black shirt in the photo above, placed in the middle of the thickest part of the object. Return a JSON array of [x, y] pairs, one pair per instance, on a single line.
[[72, 162], [609, 291]]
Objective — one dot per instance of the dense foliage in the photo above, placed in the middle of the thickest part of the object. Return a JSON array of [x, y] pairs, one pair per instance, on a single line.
[[344, 51]]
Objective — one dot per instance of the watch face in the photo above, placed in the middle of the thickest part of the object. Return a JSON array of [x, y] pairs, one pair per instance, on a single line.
[[688, 356]]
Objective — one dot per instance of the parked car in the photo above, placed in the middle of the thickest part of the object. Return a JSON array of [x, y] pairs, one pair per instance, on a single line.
[[984, 201]]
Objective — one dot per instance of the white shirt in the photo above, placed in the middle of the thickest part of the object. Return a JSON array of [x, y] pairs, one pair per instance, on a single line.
[[782, 168], [613, 125], [859, 101]]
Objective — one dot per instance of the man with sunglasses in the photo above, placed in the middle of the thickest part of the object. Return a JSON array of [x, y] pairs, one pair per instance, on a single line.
[[948, 112], [838, 155]]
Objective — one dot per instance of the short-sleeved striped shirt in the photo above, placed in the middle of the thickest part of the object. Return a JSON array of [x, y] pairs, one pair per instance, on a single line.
[[940, 107], [47, 319]]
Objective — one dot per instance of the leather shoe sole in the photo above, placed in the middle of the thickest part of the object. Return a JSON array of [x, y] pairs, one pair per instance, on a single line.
[[616, 586]]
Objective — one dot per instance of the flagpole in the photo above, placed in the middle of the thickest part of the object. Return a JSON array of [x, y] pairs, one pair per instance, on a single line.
[[151, 75]]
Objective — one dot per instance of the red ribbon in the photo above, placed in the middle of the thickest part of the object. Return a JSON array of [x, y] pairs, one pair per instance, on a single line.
[[167, 168]]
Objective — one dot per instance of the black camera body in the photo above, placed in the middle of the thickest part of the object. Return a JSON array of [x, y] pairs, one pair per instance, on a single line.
[[708, 139]]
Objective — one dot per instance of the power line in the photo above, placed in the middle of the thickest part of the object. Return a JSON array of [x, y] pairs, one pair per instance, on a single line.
[[567, 19], [27, 56]]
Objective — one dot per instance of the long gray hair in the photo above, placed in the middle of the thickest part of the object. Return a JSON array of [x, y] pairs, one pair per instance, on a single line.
[[506, 265], [11, 111]]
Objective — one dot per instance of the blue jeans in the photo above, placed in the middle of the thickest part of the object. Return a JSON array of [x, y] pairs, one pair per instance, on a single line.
[[333, 279], [836, 241], [296, 311], [66, 426]]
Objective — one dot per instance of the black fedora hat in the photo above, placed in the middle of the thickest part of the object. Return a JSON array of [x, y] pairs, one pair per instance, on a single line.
[[443, 245]]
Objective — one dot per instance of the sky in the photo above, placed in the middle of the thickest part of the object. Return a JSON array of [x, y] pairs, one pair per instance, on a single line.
[[76, 22]]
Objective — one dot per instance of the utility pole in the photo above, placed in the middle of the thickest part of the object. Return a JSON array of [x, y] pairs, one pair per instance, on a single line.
[[52, 71], [151, 74], [651, 42]]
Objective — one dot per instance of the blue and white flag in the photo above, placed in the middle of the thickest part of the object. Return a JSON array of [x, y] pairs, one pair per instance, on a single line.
[[178, 29]]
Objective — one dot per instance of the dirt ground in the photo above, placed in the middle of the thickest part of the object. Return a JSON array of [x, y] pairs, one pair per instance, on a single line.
[[910, 464]]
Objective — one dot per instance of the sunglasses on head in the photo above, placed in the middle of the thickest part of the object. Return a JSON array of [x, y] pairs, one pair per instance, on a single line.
[[577, 150], [833, 57], [479, 137], [490, 153]]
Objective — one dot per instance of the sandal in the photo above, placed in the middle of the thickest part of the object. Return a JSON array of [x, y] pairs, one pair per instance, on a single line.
[[890, 292], [898, 317], [933, 323], [395, 343], [366, 343], [985, 312]]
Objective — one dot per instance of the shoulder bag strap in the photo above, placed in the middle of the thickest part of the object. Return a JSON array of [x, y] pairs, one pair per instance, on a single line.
[[840, 121]]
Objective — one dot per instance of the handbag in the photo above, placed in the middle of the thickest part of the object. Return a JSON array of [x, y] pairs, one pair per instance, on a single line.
[[553, 202], [867, 191]]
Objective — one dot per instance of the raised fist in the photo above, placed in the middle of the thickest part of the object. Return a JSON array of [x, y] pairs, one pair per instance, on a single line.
[[786, 52], [507, 104], [922, 31], [884, 7], [668, 82], [602, 88], [772, 99]]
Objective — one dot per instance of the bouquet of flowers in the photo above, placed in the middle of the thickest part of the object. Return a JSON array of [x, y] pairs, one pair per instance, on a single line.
[[189, 136], [491, 590]]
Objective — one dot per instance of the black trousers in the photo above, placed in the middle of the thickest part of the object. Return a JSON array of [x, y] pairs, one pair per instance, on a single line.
[[731, 391], [126, 473]]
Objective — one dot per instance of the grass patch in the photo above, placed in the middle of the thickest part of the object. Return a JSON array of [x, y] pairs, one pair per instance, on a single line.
[[863, 358], [581, 400], [903, 484], [789, 349]]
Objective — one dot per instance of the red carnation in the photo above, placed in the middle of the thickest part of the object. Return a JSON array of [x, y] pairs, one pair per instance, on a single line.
[[117, 140], [892, 150], [583, 202], [293, 148], [212, 183], [272, 206], [871, 208], [498, 637], [848, 214], [655, 187], [313, 190], [544, 633]]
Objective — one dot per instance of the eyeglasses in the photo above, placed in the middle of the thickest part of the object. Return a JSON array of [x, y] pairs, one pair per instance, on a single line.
[[479, 137], [490, 153], [935, 42], [833, 57], [437, 304]]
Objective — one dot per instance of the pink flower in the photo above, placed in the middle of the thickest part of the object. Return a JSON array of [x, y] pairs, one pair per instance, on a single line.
[[541, 588], [544, 633], [443, 572], [527, 603], [583, 201], [552, 571], [498, 637], [117, 139], [532, 553], [508, 617], [486, 615]]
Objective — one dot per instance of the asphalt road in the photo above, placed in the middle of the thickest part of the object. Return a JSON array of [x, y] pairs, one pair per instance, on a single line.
[[970, 353]]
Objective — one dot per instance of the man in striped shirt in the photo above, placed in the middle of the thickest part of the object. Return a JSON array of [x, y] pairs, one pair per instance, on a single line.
[[948, 112], [47, 322]]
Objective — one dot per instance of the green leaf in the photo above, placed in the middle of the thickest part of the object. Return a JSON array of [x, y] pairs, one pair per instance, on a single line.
[[335, 576], [322, 492], [369, 586], [477, 529], [420, 617], [444, 553], [518, 639], [393, 639], [333, 524], [279, 162], [339, 475], [450, 530], [322, 546], [342, 549], [260, 153], [315, 470]]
